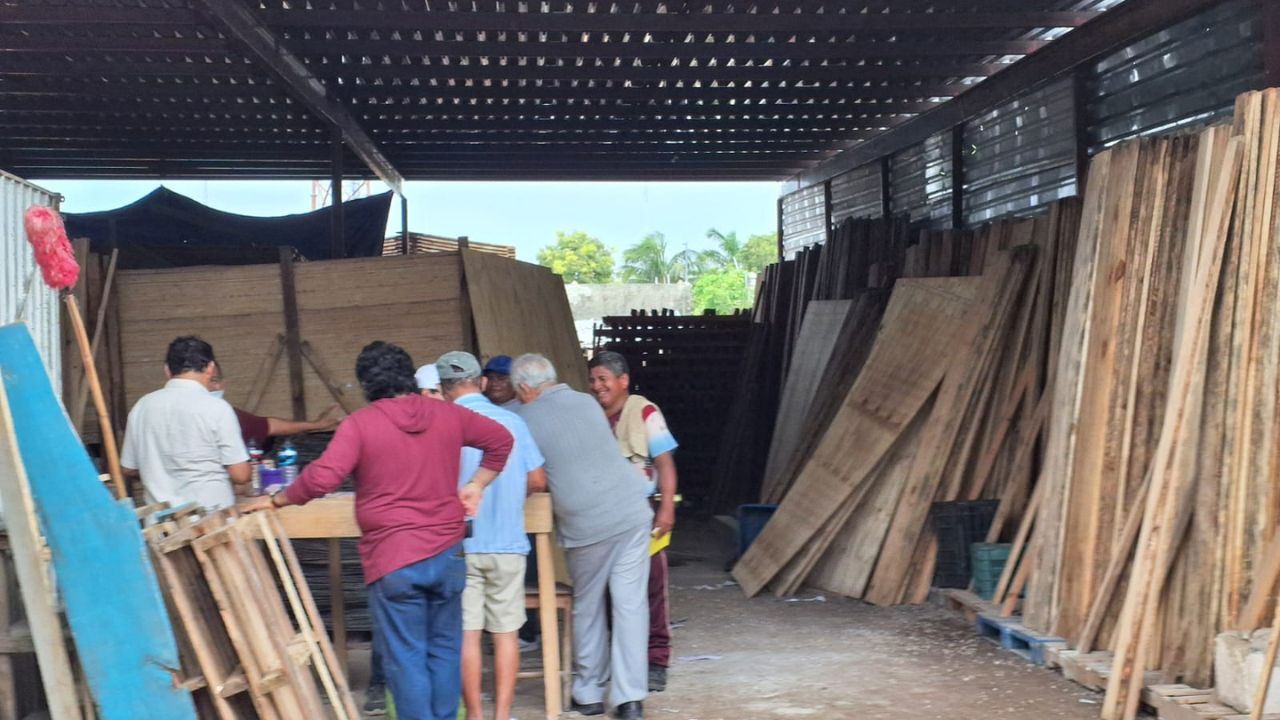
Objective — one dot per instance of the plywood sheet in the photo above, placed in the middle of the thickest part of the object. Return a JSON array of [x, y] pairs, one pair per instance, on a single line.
[[343, 305], [815, 345], [522, 308]]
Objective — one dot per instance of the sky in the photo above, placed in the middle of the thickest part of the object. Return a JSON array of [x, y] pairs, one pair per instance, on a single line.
[[524, 214]]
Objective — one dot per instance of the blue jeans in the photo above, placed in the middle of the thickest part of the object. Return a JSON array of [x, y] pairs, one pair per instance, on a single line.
[[418, 613]]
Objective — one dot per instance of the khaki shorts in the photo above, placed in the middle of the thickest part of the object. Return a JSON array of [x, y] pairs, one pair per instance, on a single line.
[[494, 598]]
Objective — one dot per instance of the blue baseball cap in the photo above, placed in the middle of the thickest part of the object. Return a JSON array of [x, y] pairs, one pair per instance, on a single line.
[[500, 364]]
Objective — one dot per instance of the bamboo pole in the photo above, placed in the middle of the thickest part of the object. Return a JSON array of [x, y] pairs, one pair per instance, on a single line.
[[82, 390], [99, 402]]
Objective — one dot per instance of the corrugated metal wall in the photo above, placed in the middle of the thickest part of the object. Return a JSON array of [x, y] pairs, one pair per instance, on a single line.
[[17, 266], [1020, 155], [920, 181], [804, 214], [1189, 74], [857, 194]]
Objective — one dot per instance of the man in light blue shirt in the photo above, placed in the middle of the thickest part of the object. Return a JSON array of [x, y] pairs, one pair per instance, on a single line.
[[494, 597]]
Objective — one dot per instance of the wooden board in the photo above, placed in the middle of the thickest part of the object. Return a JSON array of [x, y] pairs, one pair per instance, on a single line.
[[1067, 390], [964, 385], [122, 633], [35, 578], [521, 308], [343, 305], [815, 346], [910, 355], [845, 567]]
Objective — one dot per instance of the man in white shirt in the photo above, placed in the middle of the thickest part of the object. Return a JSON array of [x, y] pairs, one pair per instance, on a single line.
[[183, 441]]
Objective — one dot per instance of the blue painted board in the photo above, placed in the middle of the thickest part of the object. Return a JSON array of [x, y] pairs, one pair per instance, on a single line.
[[123, 638]]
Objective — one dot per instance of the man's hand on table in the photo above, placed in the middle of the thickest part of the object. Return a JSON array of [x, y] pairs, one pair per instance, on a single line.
[[254, 504], [264, 502]]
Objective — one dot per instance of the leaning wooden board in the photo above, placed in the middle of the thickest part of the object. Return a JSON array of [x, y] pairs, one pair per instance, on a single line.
[[521, 308], [123, 637], [814, 348]]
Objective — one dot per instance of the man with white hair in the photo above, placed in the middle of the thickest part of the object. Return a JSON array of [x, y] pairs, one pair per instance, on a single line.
[[604, 525]]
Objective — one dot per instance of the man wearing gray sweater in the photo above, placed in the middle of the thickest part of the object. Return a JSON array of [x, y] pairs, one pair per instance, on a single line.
[[604, 522]]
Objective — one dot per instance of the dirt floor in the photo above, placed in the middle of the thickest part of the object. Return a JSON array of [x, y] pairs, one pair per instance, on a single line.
[[835, 658]]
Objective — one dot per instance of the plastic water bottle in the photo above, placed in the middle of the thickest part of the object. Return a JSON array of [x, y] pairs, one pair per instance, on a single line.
[[287, 461], [255, 467]]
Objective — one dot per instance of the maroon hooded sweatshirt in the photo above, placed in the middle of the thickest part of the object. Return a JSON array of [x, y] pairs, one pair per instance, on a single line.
[[404, 454]]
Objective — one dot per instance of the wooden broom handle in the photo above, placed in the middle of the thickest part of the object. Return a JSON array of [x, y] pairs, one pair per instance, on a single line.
[[95, 388]]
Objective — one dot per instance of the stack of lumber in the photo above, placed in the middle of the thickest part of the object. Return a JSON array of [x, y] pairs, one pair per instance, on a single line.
[[246, 651], [688, 365], [946, 405], [1160, 484], [860, 263]]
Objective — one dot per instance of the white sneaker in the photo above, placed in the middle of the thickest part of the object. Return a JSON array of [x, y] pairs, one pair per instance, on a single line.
[[528, 646]]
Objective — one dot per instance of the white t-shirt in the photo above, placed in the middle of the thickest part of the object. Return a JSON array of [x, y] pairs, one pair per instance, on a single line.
[[180, 439]]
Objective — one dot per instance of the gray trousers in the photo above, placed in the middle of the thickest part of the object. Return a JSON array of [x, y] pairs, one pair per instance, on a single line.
[[620, 566]]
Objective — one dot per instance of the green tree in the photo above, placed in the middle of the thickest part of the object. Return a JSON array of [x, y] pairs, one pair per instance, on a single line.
[[760, 251], [647, 261], [721, 290], [578, 257], [728, 251]]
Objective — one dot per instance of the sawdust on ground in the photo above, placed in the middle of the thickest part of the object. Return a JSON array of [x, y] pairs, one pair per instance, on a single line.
[[766, 658]]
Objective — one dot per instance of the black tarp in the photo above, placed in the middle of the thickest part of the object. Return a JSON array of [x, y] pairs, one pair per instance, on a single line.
[[165, 229]]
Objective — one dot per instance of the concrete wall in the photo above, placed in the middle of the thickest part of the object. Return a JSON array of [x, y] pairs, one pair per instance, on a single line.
[[590, 303]]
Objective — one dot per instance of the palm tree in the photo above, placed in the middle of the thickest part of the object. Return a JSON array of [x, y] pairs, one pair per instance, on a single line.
[[688, 265], [647, 261], [728, 252]]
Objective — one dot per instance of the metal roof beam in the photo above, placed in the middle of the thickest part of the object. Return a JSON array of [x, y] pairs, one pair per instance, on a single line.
[[262, 45], [648, 73], [62, 44], [432, 20], [758, 50], [448, 21]]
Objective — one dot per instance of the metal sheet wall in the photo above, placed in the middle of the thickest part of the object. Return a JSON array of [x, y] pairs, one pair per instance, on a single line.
[[804, 214], [856, 194], [920, 181], [18, 273], [1187, 75], [1020, 155]]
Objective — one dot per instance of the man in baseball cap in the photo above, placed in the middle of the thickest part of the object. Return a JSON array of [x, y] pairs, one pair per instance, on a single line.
[[428, 379], [499, 389], [493, 600]]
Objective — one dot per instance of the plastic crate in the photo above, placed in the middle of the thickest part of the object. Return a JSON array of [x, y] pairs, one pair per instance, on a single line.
[[751, 521], [987, 561], [957, 525]]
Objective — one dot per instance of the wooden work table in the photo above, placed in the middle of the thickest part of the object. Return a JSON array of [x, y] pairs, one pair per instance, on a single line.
[[333, 518]]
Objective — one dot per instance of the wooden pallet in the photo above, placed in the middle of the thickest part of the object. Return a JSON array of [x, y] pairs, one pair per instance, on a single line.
[[245, 654], [1183, 702], [969, 604], [1010, 634]]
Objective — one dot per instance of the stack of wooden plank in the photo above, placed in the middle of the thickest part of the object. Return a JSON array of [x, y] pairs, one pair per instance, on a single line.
[[1155, 528], [247, 652], [688, 365], [862, 256], [946, 406], [982, 363]]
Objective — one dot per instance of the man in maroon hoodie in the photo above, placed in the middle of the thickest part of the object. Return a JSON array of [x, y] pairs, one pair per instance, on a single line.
[[404, 451]]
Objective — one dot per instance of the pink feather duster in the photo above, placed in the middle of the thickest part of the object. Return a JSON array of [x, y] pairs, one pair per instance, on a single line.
[[48, 238]]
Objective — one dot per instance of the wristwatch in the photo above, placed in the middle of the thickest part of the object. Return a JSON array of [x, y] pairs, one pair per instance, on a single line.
[[274, 504]]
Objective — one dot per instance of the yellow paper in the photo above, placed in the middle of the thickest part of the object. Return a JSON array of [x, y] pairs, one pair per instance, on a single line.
[[658, 544]]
